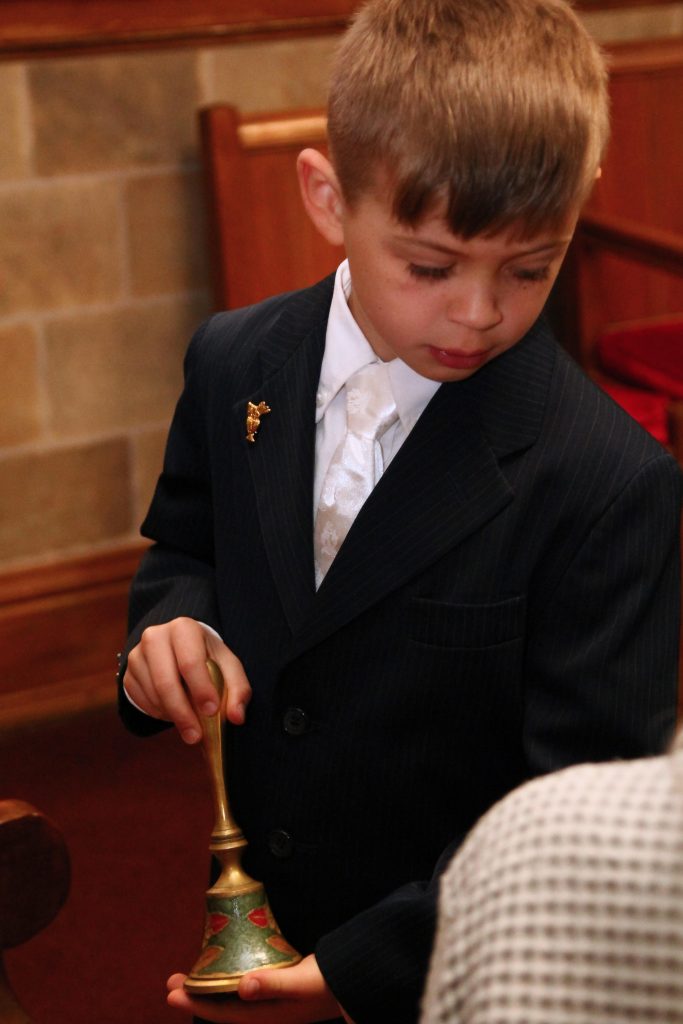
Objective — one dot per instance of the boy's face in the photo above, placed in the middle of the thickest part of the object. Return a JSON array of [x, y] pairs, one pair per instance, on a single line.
[[443, 304]]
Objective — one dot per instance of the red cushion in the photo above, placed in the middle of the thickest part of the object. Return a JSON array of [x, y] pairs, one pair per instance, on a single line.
[[647, 354], [647, 407]]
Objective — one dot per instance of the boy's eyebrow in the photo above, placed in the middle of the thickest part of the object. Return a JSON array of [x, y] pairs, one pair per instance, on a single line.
[[451, 251]]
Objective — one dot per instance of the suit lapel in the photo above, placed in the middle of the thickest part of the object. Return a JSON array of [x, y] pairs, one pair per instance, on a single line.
[[444, 484], [281, 459]]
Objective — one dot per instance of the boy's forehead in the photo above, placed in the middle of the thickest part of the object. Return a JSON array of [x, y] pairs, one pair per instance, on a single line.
[[433, 232], [433, 226]]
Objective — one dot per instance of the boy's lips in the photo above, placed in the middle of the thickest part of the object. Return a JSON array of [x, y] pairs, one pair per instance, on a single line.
[[456, 359]]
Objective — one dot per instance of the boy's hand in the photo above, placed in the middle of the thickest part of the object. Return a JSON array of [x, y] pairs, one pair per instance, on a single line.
[[167, 677], [292, 995]]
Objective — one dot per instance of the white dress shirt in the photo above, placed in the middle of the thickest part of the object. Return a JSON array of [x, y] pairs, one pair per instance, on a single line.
[[346, 351]]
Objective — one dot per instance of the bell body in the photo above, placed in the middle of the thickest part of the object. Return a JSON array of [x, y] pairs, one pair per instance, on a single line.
[[241, 935]]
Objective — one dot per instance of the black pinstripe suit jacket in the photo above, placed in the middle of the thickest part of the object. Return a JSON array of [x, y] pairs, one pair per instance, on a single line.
[[505, 603]]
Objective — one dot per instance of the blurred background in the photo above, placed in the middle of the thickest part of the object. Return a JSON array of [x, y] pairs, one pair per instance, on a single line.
[[104, 273]]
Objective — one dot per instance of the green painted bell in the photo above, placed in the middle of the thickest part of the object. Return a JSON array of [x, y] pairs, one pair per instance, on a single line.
[[241, 933]]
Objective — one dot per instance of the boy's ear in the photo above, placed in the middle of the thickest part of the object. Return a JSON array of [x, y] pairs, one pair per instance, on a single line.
[[321, 194]]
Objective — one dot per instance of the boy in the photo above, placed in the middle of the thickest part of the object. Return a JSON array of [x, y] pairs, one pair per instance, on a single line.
[[511, 579]]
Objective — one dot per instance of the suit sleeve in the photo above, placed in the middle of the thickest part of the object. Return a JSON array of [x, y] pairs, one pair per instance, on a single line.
[[602, 668], [600, 681], [376, 964], [176, 576]]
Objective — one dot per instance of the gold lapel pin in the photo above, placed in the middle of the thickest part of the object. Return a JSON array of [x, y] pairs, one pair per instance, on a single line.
[[254, 414]]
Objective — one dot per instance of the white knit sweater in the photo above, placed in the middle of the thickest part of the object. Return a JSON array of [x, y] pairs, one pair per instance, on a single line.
[[565, 904]]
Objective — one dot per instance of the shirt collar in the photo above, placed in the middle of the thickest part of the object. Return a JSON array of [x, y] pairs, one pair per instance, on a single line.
[[347, 350]]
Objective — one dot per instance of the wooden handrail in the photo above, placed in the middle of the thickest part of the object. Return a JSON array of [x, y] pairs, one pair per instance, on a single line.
[[48, 28], [283, 132], [37, 28], [654, 246]]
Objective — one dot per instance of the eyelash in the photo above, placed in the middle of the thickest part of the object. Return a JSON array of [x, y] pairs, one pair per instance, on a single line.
[[541, 274], [429, 273], [441, 273]]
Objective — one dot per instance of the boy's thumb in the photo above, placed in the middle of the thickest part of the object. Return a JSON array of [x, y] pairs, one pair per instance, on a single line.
[[264, 985]]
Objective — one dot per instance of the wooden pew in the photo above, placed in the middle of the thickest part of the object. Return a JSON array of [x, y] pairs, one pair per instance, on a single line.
[[34, 883], [626, 261], [262, 241]]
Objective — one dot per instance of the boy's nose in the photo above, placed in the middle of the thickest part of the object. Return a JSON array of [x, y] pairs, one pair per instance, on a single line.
[[476, 308]]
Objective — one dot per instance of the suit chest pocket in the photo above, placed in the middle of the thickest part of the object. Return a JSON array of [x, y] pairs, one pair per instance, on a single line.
[[440, 624]]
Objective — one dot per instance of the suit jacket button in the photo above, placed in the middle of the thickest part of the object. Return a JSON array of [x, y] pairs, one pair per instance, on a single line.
[[295, 722], [280, 844]]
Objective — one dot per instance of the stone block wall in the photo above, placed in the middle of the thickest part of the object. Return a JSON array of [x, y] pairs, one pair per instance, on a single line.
[[103, 273], [103, 268]]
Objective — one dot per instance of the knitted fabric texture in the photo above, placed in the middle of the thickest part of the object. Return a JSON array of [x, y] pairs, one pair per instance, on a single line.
[[565, 904]]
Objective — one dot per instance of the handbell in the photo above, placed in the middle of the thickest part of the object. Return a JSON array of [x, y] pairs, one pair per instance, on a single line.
[[241, 934]]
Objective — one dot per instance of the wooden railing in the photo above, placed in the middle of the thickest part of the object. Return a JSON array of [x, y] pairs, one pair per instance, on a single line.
[[61, 626], [651, 246], [35, 28]]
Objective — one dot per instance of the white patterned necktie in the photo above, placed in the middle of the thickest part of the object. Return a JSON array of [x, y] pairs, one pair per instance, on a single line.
[[357, 464]]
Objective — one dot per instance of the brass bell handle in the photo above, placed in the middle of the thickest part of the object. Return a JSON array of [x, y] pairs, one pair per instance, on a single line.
[[212, 737]]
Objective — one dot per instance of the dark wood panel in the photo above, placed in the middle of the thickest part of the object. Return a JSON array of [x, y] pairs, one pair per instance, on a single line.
[[242, 158], [42, 581], [30, 28], [631, 241], [654, 55], [61, 626], [59, 27], [626, 262], [603, 5]]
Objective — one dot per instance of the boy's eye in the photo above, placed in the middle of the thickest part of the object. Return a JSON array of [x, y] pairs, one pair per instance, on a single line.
[[528, 274], [429, 273]]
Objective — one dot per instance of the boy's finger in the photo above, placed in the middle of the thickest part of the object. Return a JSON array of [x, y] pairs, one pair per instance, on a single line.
[[209, 1008], [175, 981], [138, 687], [189, 642], [302, 981], [179, 710], [237, 693], [164, 671]]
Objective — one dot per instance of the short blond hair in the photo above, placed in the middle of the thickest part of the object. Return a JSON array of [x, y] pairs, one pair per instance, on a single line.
[[497, 106]]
